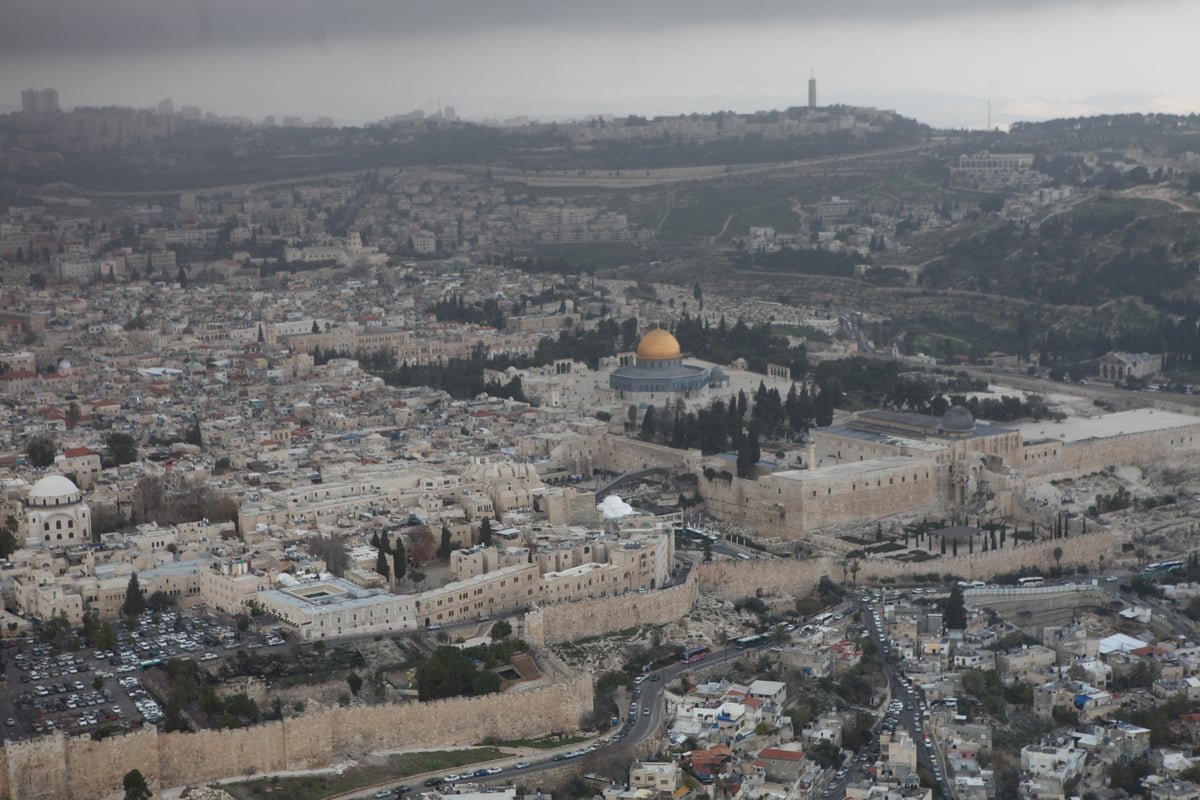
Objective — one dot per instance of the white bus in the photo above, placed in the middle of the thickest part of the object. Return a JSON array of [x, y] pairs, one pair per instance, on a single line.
[[1032, 581]]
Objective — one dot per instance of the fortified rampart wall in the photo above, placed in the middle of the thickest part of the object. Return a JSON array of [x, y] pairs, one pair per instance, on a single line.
[[622, 454], [746, 503], [77, 768], [1053, 459], [735, 579], [565, 622], [791, 508]]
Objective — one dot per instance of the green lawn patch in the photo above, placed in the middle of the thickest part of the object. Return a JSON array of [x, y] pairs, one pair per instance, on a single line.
[[914, 557], [399, 766], [546, 743]]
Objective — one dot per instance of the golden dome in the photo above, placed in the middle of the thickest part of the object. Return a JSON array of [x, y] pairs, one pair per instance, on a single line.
[[657, 345]]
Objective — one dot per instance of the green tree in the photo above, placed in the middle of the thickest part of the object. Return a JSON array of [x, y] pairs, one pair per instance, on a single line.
[[106, 637], [135, 598], [780, 636], [954, 610], [41, 452], [73, 414], [8, 536], [501, 630], [193, 434], [649, 424], [1058, 554], [611, 681], [122, 448], [825, 754], [485, 532], [356, 682], [399, 559], [450, 673], [135, 786], [446, 546], [381, 564]]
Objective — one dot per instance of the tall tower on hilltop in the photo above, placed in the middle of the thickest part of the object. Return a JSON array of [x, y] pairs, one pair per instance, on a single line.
[[812, 91], [39, 101]]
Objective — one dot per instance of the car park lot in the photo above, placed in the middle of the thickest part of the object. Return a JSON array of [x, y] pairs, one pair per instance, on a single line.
[[81, 688]]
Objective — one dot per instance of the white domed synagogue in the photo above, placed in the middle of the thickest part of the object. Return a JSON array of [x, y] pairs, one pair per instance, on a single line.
[[55, 514]]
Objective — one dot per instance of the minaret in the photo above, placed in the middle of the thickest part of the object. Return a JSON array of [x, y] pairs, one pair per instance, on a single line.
[[812, 90]]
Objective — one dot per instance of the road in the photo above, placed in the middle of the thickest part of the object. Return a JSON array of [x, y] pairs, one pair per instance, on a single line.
[[649, 695], [910, 718]]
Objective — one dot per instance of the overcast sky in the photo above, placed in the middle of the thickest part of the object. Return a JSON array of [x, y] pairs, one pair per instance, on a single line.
[[361, 60]]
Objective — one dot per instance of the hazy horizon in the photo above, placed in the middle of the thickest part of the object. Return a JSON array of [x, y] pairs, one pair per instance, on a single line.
[[364, 60]]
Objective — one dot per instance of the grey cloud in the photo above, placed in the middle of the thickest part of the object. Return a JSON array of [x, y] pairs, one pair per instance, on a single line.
[[98, 26]]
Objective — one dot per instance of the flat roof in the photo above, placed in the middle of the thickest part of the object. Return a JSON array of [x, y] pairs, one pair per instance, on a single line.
[[769, 687], [176, 568], [577, 571], [331, 593], [846, 432], [850, 469], [1078, 429]]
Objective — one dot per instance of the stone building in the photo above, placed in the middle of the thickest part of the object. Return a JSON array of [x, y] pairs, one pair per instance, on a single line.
[[1118, 366], [488, 582], [55, 514], [657, 372]]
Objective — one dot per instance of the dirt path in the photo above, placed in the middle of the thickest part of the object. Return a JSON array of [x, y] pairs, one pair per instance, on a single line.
[[725, 227]]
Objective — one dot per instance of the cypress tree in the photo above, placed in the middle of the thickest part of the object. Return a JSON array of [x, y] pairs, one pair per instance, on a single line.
[[135, 598], [399, 559]]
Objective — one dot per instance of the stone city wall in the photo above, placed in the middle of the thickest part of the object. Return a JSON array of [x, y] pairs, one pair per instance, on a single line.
[[789, 509], [621, 454], [744, 502], [736, 579], [78, 768], [566, 622], [1151, 448]]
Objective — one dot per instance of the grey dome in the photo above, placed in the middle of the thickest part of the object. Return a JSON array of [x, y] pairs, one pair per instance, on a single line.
[[958, 420]]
